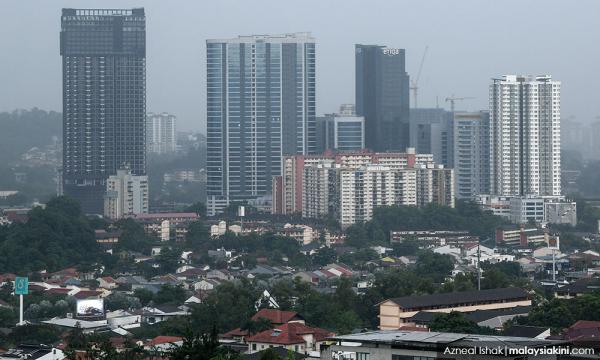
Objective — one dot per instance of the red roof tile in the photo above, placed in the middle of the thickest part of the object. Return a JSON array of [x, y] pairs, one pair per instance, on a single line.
[[58, 291], [289, 334], [235, 332], [84, 294], [163, 340], [275, 316]]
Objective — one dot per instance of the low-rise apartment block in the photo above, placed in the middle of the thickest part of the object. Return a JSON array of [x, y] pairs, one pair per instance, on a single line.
[[395, 313]]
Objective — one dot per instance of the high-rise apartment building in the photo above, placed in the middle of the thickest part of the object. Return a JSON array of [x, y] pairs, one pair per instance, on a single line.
[[126, 194], [382, 97], [104, 99], [344, 131], [431, 132], [260, 107], [349, 186], [525, 136], [320, 186], [161, 133], [471, 153], [435, 184]]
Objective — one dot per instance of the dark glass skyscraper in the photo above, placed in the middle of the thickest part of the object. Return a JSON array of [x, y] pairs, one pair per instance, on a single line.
[[260, 106], [104, 99], [382, 97]]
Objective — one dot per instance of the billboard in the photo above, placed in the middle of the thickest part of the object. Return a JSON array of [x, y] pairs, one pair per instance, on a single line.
[[90, 308], [553, 242]]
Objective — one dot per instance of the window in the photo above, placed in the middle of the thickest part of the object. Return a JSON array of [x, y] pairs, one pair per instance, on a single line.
[[253, 347], [362, 356], [410, 357]]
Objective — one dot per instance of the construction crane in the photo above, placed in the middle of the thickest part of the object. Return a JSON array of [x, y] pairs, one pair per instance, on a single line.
[[414, 84], [453, 99]]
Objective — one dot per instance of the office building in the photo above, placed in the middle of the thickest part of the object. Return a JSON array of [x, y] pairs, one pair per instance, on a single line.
[[425, 345], [126, 194], [260, 107], [382, 97], [530, 208], [161, 133], [471, 153], [431, 132], [525, 136], [340, 132], [104, 99]]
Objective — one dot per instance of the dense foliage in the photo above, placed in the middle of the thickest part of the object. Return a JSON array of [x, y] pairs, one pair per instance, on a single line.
[[456, 322], [562, 313], [466, 216], [53, 238]]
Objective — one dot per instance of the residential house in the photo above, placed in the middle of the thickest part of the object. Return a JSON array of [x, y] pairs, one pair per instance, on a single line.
[[293, 336], [107, 282], [206, 284]]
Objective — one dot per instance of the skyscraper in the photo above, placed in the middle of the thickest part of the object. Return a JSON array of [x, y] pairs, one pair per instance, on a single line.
[[161, 133], [382, 97], [525, 136], [471, 153], [340, 132], [260, 106], [431, 133], [104, 99]]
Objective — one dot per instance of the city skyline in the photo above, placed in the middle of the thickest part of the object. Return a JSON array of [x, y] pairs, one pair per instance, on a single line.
[[452, 52]]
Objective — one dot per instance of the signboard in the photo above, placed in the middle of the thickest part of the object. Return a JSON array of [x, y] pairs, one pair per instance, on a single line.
[[90, 308], [21, 285], [553, 242]]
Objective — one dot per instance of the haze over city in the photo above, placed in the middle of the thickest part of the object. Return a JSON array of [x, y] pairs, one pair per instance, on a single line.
[[299, 180], [468, 45]]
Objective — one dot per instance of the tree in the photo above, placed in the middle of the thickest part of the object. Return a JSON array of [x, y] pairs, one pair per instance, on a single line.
[[199, 208], [324, 256], [169, 258], [169, 294], [203, 346], [456, 322], [435, 266], [144, 295], [34, 334]]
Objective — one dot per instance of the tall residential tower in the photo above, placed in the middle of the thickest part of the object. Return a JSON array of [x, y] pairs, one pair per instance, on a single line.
[[104, 99], [260, 107], [382, 97], [161, 133], [525, 136]]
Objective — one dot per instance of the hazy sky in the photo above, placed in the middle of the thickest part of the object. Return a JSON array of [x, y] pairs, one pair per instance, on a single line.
[[469, 41]]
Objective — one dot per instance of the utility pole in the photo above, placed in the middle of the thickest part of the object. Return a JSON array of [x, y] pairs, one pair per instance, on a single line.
[[478, 268]]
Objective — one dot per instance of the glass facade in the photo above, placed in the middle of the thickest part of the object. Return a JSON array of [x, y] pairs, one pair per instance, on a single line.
[[104, 99], [260, 106], [382, 97]]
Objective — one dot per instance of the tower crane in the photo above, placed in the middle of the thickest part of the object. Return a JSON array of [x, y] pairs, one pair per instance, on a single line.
[[414, 84], [452, 99]]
